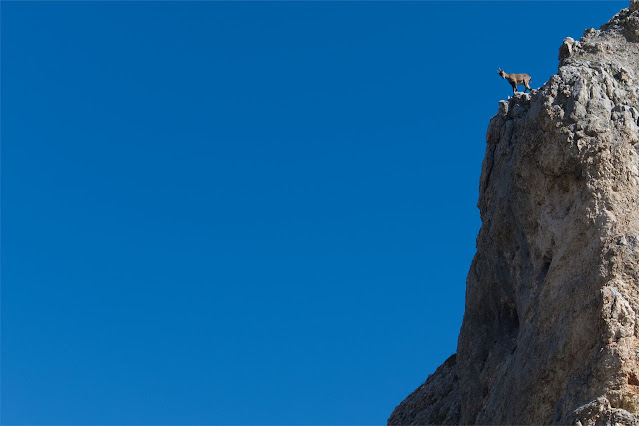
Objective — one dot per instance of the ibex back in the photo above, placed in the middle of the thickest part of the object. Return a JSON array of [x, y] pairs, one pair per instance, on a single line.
[[516, 80]]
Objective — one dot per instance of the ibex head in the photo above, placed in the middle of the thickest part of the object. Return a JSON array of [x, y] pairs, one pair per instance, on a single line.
[[501, 73]]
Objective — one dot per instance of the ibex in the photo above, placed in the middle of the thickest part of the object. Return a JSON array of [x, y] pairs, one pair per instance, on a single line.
[[516, 80]]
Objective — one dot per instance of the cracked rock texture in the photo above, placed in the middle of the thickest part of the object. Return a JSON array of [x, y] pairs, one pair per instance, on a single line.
[[551, 333]]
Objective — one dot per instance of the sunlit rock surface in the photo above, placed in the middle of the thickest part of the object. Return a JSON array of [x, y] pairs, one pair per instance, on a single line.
[[550, 331]]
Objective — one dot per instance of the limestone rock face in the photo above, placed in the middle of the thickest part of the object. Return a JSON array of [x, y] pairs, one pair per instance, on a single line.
[[434, 402], [551, 332]]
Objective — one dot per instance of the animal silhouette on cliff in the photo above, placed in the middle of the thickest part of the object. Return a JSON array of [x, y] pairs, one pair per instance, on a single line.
[[516, 80]]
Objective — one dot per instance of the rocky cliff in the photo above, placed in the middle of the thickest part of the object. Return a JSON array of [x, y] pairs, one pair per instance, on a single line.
[[551, 332]]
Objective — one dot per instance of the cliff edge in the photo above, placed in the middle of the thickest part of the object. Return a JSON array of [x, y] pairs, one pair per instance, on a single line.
[[550, 332]]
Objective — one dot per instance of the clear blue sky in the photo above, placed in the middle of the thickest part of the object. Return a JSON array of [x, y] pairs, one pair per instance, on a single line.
[[245, 213]]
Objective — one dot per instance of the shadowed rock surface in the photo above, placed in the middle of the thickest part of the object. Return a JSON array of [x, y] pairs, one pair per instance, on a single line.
[[550, 331]]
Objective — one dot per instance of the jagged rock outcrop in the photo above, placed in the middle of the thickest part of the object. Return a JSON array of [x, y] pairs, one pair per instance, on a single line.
[[551, 332]]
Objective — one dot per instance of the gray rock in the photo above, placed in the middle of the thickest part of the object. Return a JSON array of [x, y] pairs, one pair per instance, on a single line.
[[551, 328], [434, 402], [599, 413]]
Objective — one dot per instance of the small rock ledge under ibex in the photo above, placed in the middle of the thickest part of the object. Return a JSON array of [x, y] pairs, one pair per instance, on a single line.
[[551, 332]]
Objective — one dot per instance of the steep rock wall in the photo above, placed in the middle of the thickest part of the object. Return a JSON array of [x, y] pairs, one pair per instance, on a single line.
[[550, 331]]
